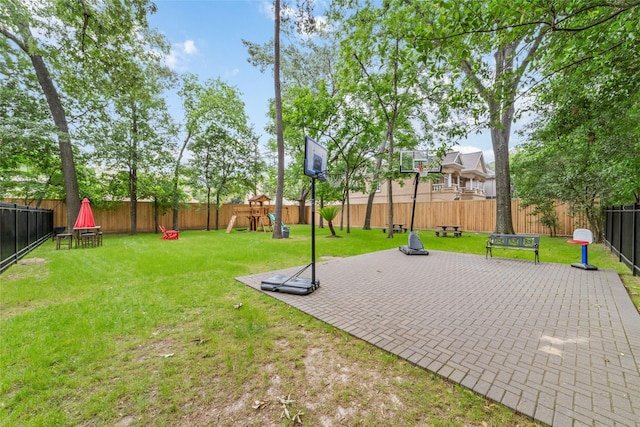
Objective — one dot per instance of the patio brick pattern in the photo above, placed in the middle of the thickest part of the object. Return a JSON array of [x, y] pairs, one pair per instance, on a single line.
[[556, 343]]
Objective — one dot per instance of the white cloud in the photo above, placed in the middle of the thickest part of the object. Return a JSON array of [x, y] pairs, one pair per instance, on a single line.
[[179, 55], [266, 8], [171, 60], [189, 47], [232, 73], [321, 24]]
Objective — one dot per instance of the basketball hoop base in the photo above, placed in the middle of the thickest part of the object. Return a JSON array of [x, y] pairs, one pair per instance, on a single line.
[[289, 285], [584, 266], [585, 249], [414, 246], [408, 251]]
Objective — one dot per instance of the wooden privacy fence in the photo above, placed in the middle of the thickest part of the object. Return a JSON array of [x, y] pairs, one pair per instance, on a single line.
[[473, 215], [193, 216]]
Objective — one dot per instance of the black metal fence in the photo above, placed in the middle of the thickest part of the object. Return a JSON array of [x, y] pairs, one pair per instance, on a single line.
[[622, 234], [22, 229]]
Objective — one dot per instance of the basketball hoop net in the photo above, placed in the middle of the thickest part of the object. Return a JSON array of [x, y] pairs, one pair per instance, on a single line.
[[420, 162], [335, 180]]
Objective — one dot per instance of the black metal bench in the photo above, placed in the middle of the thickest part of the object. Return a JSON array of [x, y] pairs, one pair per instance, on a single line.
[[513, 241]]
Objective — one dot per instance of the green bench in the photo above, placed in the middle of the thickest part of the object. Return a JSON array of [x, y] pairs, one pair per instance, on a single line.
[[513, 241]]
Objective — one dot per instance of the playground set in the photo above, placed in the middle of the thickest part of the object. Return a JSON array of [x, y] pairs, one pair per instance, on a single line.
[[257, 214]]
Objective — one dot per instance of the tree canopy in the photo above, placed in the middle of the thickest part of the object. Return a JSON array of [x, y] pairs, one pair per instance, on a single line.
[[83, 90]]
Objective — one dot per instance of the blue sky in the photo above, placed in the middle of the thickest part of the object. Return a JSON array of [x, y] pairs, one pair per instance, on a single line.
[[206, 39]]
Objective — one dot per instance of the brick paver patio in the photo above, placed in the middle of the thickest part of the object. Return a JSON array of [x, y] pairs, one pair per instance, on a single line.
[[556, 343]]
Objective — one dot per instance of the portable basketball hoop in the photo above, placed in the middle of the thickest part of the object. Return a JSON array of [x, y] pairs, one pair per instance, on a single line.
[[315, 167], [584, 237], [422, 164]]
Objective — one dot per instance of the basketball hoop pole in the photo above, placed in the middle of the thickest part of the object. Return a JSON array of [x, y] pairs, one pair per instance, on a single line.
[[415, 196], [313, 231]]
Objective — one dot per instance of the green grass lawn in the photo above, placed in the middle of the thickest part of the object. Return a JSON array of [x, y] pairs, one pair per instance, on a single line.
[[148, 332]]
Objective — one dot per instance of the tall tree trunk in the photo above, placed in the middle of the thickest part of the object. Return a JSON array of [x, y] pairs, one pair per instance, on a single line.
[[301, 211], [374, 186], [277, 231], [500, 142], [156, 215], [59, 116], [133, 195], [302, 217], [176, 179], [208, 208], [348, 211], [72, 194], [217, 210], [133, 173], [500, 100], [390, 130]]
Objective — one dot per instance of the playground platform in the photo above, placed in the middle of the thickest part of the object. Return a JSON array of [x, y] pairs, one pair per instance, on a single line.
[[556, 343]]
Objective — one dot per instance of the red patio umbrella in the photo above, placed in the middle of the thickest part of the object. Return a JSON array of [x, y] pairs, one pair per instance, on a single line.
[[85, 216]]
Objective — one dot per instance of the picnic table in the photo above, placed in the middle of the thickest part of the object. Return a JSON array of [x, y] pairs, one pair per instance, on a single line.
[[445, 229], [397, 228], [85, 236]]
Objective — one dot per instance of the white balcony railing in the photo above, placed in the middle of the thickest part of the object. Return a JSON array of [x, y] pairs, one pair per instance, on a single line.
[[443, 187]]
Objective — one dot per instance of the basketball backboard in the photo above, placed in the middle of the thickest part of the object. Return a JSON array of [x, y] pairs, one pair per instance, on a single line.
[[315, 159], [419, 161]]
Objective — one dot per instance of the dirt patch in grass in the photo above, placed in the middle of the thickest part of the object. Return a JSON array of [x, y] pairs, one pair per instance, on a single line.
[[28, 261], [27, 267], [327, 386]]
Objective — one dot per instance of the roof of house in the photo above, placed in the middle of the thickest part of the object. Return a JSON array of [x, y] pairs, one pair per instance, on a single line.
[[467, 162]]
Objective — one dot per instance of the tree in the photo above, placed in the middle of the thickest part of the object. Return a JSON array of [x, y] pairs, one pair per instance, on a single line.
[[158, 187], [76, 49], [584, 147], [306, 76], [15, 25], [214, 114], [304, 23], [487, 66], [329, 213], [342, 126], [584, 150], [136, 132], [381, 68], [190, 92], [225, 159], [29, 159], [501, 49], [277, 231]]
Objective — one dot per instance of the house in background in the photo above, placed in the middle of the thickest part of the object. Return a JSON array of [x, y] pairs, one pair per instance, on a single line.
[[464, 177]]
